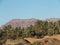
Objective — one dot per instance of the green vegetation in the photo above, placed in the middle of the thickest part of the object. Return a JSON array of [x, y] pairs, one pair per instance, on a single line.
[[39, 30]]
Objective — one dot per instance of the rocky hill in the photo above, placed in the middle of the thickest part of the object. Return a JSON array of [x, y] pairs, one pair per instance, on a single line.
[[53, 19], [23, 23]]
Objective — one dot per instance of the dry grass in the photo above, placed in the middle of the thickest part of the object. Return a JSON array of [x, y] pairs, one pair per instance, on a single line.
[[12, 42], [47, 40], [32, 40], [54, 36]]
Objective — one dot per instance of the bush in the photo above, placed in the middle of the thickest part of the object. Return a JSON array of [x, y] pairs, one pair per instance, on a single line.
[[50, 32]]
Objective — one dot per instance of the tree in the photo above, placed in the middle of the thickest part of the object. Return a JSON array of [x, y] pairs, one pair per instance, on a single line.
[[39, 28], [59, 26], [39, 24], [50, 32], [59, 23], [31, 31], [56, 30], [45, 28]]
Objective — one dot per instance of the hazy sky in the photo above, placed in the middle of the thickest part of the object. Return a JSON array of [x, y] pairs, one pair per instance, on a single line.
[[23, 9]]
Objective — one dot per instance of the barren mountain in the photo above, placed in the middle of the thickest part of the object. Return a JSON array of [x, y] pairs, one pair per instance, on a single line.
[[53, 19], [23, 23]]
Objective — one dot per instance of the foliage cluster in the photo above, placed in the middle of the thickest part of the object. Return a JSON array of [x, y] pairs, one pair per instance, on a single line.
[[39, 30]]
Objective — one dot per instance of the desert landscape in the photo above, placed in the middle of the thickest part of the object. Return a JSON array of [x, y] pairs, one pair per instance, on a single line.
[[30, 32], [29, 22]]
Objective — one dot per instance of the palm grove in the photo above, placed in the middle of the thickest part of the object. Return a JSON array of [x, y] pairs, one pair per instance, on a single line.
[[39, 30]]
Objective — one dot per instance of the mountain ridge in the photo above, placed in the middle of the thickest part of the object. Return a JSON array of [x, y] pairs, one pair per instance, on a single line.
[[23, 23]]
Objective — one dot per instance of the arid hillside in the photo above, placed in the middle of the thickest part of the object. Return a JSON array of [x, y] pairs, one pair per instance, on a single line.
[[43, 32], [47, 40], [53, 19], [23, 23]]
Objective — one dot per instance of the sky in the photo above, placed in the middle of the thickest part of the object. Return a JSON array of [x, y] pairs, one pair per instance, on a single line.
[[26, 9]]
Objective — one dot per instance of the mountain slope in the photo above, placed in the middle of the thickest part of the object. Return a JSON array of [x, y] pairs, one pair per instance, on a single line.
[[23, 23], [53, 19]]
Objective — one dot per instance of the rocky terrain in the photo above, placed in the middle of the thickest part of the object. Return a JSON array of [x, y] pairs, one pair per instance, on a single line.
[[53, 39], [23, 23]]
